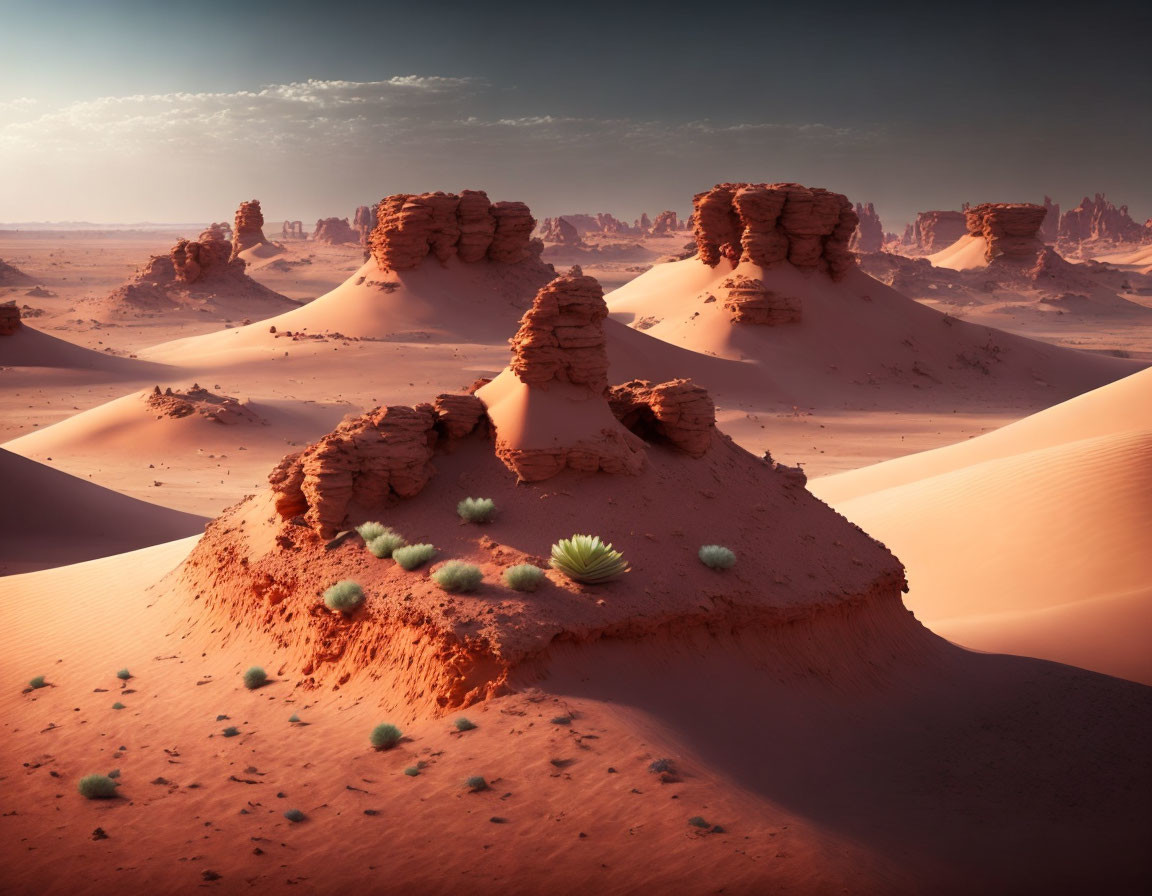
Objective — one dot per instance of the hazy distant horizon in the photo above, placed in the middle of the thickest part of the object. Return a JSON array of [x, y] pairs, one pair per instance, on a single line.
[[148, 115]]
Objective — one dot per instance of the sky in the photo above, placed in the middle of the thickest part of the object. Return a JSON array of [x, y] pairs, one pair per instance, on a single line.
[[143, 110]]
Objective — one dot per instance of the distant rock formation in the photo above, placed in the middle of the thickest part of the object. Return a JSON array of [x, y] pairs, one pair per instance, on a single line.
[[220, 409], [933, 231], [869, 235], [9, 318], [364, 221], [770, 223], [411, 227], [561, 232], [13, 276], [666, 222], [193, 260], [1098, 220], [292, 230], [249, 229], [1050, 229], [1011, 229], [334, 231], [643, 223]]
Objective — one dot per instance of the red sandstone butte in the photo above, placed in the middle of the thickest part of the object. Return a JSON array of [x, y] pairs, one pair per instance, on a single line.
[[665, 222], [869, 235], [770, 223], [249, 228], [1011, 229], [334, 231]]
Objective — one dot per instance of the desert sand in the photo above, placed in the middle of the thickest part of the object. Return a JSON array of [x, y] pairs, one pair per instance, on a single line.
[[937, 681]]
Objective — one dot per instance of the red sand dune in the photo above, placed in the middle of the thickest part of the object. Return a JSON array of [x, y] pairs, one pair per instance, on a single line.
[[51, 519], [29, 347], [1031, 539]]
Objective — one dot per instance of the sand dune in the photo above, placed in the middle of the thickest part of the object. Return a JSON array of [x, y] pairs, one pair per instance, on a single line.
[[966, 254], [1031, 539], [50, 518], [29, 347], [1139, 259]]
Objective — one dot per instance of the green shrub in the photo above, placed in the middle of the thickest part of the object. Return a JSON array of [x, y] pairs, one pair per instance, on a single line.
[[294, 718], [344, 596], [455, 576], [476, 510], [255, 678], [697, 822], [38, 682], [97, 787], [384, 544], [368, 531], [117, 705], [413, 555], [716, 556], [295, 815], [523, 577], [585, 558], [476, 784], [463, 724], [412, 771], [385, 737], [123, 674]]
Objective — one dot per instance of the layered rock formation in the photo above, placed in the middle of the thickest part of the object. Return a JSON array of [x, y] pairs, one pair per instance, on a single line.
[[933, 231], [9, 318], [249, 228], [334, 231], [561, 232], [869, 235], [221, 409], [193, 260], [678, 413], [411, 227], [1011, 229], [770, 223], [1050, 229], [364, 221], [666, 222], [1098, 220], [751, 302]]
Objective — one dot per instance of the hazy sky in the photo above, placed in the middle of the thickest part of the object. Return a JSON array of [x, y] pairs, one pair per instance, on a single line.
[[132, 110]]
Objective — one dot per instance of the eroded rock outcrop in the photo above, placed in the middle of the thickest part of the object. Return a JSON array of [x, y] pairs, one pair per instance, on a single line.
[[560, 232], [678, 412], [249, 227], [869, 235], [9, 318], [1098, 220], [292, 230], [666, 222], [770, 223], [221, 409], [208, 256], [364, 221], [935, 230], [334, 231], [751, 302], [410, 227], [1050, 229], [1011, 229]]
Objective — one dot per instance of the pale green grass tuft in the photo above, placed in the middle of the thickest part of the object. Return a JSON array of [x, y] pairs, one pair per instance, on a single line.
[[476, 510], [96, 787], [413, 555], [523, 577], [716, 556], [385, 737], [255, 678], [344, 596], [385, 544], [455, 576]]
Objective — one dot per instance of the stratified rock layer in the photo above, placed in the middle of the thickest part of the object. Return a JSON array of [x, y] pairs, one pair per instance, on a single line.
[[770, 223], [751, 302], [678, 412], [249, 228], [935, 230], [194, 260], [1011, 229], [334, 231], [410, 227]]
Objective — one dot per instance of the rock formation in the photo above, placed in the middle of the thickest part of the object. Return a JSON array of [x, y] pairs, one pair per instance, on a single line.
[[220, 409], [194, 260], [292, 230], [1098, 220], [1050, 229], [334, 231], [678, 413], [666, 222], [869, 235], [410, 227], [9, 318], [561, 232], [934, 231], [13, 276], [751, 302], [770, 223], [249, 229], [364, 221], [643, 223], [1010, 228]]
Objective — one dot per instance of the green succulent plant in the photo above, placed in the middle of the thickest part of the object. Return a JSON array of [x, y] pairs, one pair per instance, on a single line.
[[587, 559]]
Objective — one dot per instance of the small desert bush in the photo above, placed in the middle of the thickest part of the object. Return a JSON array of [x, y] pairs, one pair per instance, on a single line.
[[344, 596], [123, 674], [385, 544], [716, 556], [523, 577], [368, 531], [698, 822], [587, 559], [38, 682], [476, 784], [117, 705], [230, 731], [476, 510], [455, 576], [96, 787], [384, 737], [463, 724], [294, 718], [295, 815], [413, 555], [412, 771], [254, 678]]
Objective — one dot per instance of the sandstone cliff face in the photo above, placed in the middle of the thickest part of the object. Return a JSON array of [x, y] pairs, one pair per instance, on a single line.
[[1011, 229], [411, 227], [751, 302], [936, 230], [194, 260], [334, 231], [770, 223], [561, 232], [1050, 229], [364, 221], [678, 412], [9, 318], [249, 228], [1098, 220], [869, 235]]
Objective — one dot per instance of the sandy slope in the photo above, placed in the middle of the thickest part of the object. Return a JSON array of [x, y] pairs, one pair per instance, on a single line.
[[966, 254], [1032, 539], [1139, 259], [50, 518], [29, 347]]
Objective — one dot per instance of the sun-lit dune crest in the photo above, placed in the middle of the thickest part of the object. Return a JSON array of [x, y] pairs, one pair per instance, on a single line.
[[559, 451], [774, 283], [1030, 539]]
